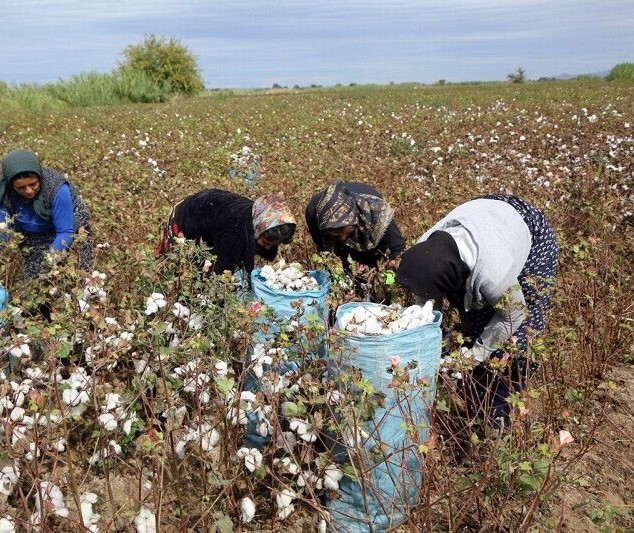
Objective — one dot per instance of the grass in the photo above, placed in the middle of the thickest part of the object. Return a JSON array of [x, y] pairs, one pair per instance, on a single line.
[[566, 147]]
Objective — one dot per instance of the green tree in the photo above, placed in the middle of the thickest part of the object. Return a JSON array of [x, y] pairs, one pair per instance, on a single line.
[[622, 72], [168, 63], [519, 76]]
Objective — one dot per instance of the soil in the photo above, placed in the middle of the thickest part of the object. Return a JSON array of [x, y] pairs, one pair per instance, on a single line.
[[599, 493]]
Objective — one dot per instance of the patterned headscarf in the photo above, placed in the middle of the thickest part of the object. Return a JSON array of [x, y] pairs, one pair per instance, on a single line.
[[340, 207], [270, 211]]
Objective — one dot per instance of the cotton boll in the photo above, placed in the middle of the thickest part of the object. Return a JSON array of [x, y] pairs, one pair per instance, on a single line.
[[145, 521], [332, 476], [88, 517], [247, 506], [7, 525]]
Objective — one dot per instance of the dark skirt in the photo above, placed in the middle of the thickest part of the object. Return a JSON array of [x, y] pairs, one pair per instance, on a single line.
[[37, 245]]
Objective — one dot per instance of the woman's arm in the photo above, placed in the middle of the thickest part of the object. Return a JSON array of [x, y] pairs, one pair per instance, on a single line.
[[510, 312], [63, 218]]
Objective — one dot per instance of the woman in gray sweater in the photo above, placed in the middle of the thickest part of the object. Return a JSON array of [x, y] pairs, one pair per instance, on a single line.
[[495, 259]]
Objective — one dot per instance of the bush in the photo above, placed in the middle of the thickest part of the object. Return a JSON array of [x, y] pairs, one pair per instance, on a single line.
[[167, 63], [25, 97], [93, 88], [136, 87], [622, 72]]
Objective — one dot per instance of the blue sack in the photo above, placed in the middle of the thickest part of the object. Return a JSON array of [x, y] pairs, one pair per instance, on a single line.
[[4, 297], [310, 308], [390, 485]]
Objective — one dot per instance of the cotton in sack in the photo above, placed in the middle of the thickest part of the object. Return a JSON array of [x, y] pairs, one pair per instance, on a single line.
[[393, 478]]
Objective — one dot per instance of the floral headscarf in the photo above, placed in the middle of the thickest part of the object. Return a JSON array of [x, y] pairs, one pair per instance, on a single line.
[[270, 211], [340, 207]]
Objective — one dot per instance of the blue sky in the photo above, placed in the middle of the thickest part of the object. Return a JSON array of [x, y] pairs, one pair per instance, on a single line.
[[256, 43]]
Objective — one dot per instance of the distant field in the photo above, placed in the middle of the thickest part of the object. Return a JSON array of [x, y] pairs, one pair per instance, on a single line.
[[567, 147]]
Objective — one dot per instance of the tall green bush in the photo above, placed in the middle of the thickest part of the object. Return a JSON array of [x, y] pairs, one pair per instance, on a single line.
[[168, 63], [622, 72]]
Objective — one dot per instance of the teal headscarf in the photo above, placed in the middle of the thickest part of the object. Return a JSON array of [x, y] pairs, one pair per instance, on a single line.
[[19, 162]]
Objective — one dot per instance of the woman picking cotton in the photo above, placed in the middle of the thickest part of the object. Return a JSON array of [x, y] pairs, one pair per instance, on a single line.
[[355, 222], [232, 227], [45, 208], [494, 258]]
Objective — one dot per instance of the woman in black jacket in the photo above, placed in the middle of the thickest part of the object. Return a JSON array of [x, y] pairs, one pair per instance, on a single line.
[[233, 227]]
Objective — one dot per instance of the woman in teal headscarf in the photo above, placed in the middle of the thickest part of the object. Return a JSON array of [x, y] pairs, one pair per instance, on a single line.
[[41, 204]]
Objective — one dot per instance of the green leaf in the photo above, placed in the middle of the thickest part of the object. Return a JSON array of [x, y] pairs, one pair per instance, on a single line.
[[225, 385]]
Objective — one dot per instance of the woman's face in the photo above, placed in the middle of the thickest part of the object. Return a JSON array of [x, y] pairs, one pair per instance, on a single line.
[[341, 233], [265, 244], [26, 185]]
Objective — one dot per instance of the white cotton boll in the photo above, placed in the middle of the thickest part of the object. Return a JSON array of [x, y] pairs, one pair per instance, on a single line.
[[179, 449], [221, 368], [209, 439], [247, 506], [59, 445], [195, 321], [9, 476], [5, 404], [285, 498], [108, 421], [252, 458], [112, 400], [74, 398], [17, 414], [88, 517], [332, 476], [140, 365], [303, 429], [53, 499], [180, 311], [145, 521], [7, 525], [283, 514]]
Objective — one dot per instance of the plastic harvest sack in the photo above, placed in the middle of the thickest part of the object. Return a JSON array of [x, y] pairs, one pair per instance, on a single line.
[[309, 308], [387, 446]]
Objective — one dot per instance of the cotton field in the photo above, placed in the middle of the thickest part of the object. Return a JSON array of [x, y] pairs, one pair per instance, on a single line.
[[136, 398]]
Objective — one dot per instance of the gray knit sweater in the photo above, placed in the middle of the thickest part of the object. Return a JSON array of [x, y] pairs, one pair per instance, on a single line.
[[494, 242]]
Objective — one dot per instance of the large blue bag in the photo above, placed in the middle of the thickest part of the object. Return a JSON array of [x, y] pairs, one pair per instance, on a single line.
[[390, 485], [310, 308]]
